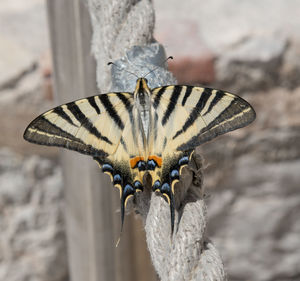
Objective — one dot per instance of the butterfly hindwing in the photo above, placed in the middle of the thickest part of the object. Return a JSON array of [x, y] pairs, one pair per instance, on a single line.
[[122, 177], [166, 176]]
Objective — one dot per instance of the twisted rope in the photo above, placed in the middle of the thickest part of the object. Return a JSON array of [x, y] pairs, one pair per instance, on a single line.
[[188, 255]]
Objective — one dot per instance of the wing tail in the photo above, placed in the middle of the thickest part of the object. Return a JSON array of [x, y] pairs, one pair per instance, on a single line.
[[165, 178], [122, 177]]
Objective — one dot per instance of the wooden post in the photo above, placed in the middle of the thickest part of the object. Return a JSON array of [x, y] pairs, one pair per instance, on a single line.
[[91, 202]]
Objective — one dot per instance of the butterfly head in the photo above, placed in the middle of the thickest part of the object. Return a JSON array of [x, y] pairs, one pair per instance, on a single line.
[[142, 92]]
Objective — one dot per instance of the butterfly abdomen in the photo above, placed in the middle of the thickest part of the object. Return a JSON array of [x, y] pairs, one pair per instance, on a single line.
[[142, 101]]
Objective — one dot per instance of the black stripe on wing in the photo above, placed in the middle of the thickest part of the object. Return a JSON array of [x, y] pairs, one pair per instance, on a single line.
[[128, 105], [195, 113], [218, 96], [93, 104], [125, 101], [237, 114], [60, 112], [42, 131], [187, 93], [111, 111], [85, 122], [158, 96], [155, 125], [172, 103], [122, 141], [203, 99]]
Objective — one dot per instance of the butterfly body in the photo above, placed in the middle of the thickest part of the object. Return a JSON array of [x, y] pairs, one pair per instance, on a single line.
[[151, 131]]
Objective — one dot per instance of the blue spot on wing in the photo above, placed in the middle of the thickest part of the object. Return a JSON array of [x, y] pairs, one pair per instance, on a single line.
[[141, 165], [128, 189], [117, 179], [183, 161], [166, 188], [138, 185], [107, 168], [174, 174], [151, 164], [156, 185]]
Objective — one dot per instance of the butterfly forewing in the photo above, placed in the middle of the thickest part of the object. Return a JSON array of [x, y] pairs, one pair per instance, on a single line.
[[199, 114], [85, 125]]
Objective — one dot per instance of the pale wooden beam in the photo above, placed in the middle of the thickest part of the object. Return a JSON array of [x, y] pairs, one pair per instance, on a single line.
[[93, 224]]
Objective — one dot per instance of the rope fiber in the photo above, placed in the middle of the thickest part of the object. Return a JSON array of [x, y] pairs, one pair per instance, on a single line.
[[127, 26]]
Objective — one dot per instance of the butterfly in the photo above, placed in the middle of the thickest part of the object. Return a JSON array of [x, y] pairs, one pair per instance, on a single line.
[[149, 131]]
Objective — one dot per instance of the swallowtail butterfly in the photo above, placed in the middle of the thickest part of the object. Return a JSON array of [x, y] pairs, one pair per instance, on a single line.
[[148, 131]]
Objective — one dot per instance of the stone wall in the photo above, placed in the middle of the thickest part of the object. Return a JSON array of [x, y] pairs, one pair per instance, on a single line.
[[32, 242], [32, 232], [252, 175]]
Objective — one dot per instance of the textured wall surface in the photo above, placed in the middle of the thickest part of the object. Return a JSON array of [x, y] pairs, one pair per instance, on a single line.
[[32, 242], [32, 232], [252, 176]]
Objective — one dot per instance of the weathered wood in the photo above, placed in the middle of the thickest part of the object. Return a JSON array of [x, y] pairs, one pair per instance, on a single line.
[[93, 224]]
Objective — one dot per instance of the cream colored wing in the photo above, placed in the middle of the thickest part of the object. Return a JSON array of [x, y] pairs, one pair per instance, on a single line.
[[185, 117], [191, 115], [99, 126]]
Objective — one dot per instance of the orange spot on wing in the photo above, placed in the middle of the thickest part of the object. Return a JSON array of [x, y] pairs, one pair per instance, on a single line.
[[133, 161], [157, 159]]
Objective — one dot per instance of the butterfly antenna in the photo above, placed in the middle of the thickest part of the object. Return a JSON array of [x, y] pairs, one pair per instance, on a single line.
[[170, 57], [122, 69]]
